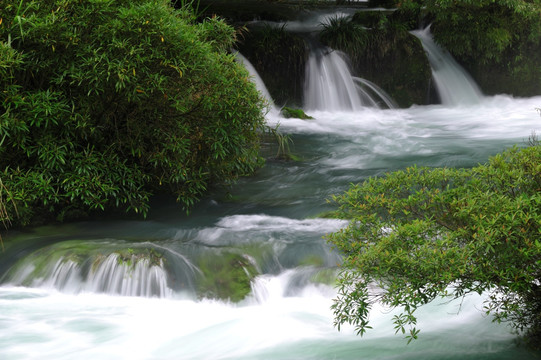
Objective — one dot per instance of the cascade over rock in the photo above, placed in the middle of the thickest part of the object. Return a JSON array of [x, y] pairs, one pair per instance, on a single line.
[[330, 86], [385, 54], [454, 85]]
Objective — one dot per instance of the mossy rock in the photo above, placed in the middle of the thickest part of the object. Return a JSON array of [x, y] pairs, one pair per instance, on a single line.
[[130, 256], [225, 276], [87, 255], [397, 62], [288, 112]]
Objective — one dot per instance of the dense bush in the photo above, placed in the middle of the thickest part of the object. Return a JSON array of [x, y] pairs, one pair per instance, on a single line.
[[104, 103], [420, 234]]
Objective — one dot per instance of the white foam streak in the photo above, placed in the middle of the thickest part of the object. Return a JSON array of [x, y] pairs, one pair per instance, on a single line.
[[498, 117], [264, 228]]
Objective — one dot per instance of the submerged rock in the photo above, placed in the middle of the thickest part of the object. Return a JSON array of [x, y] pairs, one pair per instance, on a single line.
[[225, 276], [288, 112]]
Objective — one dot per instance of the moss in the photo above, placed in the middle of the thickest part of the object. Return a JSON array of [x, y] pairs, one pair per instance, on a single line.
[[312, 260], [130, 256], [288, 112], [226, 276]]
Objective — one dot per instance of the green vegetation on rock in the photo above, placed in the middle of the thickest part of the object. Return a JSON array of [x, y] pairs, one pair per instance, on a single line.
[[288, 112], [421, 234], [225, 276], [104, 103]]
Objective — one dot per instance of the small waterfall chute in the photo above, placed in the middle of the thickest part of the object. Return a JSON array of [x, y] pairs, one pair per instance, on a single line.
[[454, 85], [76, 267], [330, 86], [129, 276], [379, 93], [258, 81]]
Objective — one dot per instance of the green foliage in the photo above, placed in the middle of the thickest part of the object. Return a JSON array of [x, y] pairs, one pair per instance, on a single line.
[[341, 33], [485, 30], [106, 102], [419, 234]]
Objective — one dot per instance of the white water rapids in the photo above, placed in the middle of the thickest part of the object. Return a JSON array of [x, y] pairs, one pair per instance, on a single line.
[[281, 319]]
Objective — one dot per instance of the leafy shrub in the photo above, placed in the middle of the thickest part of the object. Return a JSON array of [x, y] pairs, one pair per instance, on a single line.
[[422, 233], [108, 102]]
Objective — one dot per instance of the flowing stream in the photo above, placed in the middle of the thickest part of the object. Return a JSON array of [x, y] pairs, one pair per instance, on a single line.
[[131, 289]]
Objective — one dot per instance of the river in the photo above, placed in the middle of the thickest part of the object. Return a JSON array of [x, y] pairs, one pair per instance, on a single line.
[[52, 307]]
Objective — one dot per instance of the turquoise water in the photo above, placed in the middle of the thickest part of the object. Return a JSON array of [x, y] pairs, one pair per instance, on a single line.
[[48, 311]]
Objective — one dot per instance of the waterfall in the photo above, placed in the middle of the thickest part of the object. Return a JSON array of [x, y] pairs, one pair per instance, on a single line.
[[330, 86], [260, 85], [454, 85], [129, 277], [75, 270]]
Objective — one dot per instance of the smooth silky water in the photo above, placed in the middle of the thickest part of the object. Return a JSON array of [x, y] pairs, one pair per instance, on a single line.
[[66, 295]]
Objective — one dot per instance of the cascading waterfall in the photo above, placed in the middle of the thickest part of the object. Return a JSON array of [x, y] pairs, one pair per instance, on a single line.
[[330, 86], [369, 87], [129, 277], [95, 267], [62, 299], [454, 85], [109, 274]]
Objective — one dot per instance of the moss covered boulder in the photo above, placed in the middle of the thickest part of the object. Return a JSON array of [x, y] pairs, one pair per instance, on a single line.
[[225, 276], [288, 113]]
